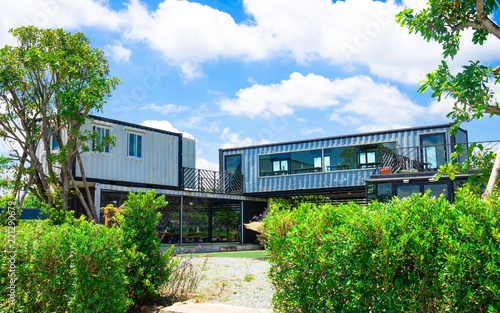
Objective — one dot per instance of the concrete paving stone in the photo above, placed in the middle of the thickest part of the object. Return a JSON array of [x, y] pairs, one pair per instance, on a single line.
[[209, 308]]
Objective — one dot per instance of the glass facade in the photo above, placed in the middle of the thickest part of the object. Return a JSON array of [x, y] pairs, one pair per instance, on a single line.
[[274, 164], [327, 160], [203, 220], [406, 190], [306, 161], [433, 150], [195, 219]]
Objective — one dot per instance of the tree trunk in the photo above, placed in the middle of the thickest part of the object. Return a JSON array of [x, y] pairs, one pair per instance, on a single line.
[[493, 177]]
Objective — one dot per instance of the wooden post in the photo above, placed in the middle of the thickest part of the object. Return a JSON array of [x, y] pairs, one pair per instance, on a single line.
[[493, 177]]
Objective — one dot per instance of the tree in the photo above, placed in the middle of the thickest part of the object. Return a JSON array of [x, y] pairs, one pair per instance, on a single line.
[[50, 81], [444, 21]]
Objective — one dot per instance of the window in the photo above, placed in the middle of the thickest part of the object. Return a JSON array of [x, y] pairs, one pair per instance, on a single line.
[[53, 143], [384, 192], [437, 189], [369, 156], [274, 164], [306, 161], [134, 145], [404, 191], [338, 159], [433, 150], [103, 133]]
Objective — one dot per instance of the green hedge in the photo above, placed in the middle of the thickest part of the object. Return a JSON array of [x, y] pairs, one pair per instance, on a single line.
[[418, 254], [64, 268]]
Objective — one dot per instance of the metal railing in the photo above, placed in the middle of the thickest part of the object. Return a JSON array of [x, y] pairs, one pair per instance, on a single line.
[[211, 181], [429, 158]]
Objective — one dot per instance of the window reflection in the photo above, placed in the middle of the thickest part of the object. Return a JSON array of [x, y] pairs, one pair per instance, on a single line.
[[306, 161]]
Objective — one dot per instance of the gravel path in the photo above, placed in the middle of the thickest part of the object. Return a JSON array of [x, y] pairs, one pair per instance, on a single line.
[[235, 281]]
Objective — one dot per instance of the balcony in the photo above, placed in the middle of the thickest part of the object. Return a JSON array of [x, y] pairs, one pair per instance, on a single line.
[[430, 158], [211, 181]]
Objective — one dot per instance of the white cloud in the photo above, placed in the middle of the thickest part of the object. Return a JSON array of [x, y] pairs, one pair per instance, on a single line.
[[311, 91], [441, 108], [308, 131], [345, 33], [57, 14], [165, 125], [118, 52], [233, 140], [164, 108], [206, 165], [357, 101], [190, 33]]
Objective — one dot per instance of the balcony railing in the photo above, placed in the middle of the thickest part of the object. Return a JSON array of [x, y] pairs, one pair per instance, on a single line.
[[429, 158], [211, 181]]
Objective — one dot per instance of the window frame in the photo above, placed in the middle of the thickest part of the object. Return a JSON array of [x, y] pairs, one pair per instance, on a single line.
[[324, 165], [127, 153], [106, 129]]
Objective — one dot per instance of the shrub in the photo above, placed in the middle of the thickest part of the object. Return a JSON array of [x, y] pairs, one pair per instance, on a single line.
[[65, 268], [418, 254], [57, 214], [147, 268], [11, 211]]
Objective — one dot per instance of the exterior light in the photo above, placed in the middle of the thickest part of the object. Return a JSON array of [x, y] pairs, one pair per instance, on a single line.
[[432, 180], [406, 181]]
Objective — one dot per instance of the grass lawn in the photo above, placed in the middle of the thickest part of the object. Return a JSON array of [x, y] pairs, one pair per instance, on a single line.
[[256, 254]]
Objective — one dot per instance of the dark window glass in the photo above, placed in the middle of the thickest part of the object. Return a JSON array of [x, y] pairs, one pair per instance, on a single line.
[[433, 151], [103, 133], [437, 189], [371, 155], [274, 164], [407, 190], [337, 159], [306, 161], [233, 164], [134, 145], [195, 220], [370, 191], [384, 192]]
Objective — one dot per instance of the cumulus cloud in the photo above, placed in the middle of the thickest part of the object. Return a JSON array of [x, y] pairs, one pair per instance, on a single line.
[[345, 32], [118, 52], [189, 33], [348, 33], [357, 100], [58, 14], [164, 108], [165, 125], [308, 131], [232, 140]]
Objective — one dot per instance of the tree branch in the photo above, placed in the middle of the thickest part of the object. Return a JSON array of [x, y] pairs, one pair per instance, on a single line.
[[492, 109], [488, 24]]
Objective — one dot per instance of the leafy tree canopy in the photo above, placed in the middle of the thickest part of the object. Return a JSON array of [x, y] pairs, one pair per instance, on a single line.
[[444, 21], [50, 81]]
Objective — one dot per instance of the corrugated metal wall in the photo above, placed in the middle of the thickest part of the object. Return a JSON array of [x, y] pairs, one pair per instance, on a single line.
[[159, 163], [255, 184]]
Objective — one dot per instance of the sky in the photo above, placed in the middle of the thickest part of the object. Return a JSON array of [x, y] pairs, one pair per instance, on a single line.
[[234, 73]]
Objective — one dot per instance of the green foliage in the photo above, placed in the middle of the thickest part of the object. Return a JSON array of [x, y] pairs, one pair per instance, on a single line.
[[443, 21], [64, 268], [50, 81], [31, 202], [418, 254], [146, 267], [56, 213], [477, 160], [11, 211]]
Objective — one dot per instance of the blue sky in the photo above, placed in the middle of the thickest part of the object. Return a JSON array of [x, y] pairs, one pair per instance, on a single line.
[[241, 72]]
